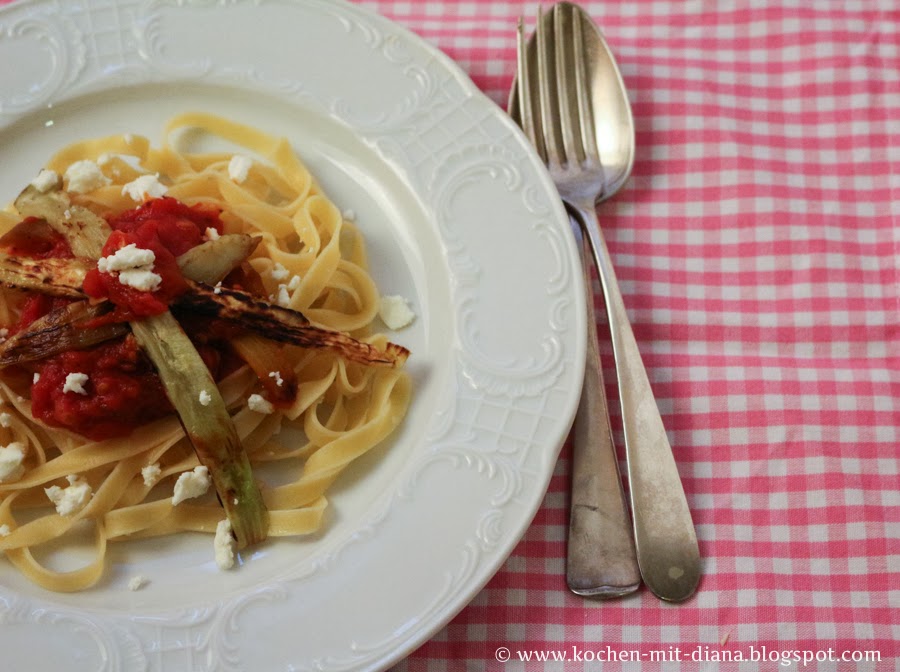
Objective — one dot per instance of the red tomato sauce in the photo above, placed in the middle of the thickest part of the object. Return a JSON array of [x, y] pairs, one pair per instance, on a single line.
[[167, 227], [123, 390]]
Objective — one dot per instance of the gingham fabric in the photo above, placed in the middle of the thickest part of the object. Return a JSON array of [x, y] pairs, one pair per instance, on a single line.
[[757, 248]]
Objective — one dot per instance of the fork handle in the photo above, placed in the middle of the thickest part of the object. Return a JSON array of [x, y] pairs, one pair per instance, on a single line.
[[665, 539], [601, 558]]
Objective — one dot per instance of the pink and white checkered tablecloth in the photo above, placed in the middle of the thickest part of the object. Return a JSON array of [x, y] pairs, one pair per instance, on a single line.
[[757, 246]]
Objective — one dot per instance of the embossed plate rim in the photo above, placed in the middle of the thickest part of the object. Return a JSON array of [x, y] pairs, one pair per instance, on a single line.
[[542, 397]]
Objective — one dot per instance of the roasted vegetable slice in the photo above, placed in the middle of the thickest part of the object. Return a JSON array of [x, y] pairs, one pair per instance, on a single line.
[[60, 330], [209, 427], [57, 277], [214, 259], [283, 325]]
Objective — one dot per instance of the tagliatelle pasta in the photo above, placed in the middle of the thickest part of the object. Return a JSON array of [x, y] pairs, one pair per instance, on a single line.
[[309, 259]]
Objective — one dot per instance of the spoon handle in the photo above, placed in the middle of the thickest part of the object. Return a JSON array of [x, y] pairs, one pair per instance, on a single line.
[[601, 557], [665, 539]]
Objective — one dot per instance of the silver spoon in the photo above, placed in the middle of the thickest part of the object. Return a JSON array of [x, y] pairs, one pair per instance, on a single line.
[[581, 125]]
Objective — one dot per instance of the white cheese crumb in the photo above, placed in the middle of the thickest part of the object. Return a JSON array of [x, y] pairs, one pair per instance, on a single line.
[[280, 272], [224, 545], [45, 181], [129, 138], [67, 213], [239, 167], [75, 383], [126, 258], [395, 312], [141, 280], [349, 215], [284, 296], [11, 458], [205, 398], [218, 288], [294, 283], [84, 176], [135, 267], [279, 381], [5, 420], [191, 484], [259, 404], [138, 582], [144, 187], [71, 499], [4, 530], [35, 378], [4, 334], [151, 474], [211, 233]]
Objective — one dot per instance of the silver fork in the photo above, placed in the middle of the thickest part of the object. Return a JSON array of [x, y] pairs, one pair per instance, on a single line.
[[561, 125]]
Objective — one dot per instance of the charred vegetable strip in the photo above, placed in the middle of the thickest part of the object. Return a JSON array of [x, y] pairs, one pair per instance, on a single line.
[[283, 325], [85, 231], [57, 277], [58, 331], [214, 259], [209, 428]]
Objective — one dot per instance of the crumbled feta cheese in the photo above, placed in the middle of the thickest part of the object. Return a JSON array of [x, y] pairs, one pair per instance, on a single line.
[[138, 582], [35, 378], [151, 474], [126, 258], [191, 484], [144, 187], [45, 181], [75, 383], [4, 530], [71, 499], [395, 312], [11, 458], [294, 283], [279, 381], [141, 280], [205, 398], [349, 215], [211, 233], [280, 272], [134, 266], [218, 288], [259, 404], [284, 296], [67, 213], [239, 167], [5, 420], [85, 176], [4, 334], [224, 545], [128, 137]]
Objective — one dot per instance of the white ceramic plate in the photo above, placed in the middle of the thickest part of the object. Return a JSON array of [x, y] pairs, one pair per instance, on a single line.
[[460, 218]]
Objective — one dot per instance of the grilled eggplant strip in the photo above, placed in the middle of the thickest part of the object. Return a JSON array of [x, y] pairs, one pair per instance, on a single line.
[[86, 232], [211, 261], [64, 328], [56, 277], [283, 325], [58, 331], [210, 429], [182, 372]]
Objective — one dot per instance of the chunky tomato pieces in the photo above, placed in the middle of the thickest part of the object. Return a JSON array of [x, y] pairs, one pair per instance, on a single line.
[[168, 228], [121, 389]]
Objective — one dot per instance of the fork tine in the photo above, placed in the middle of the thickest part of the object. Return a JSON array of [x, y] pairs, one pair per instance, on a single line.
[[585, 104], [548, 106], [523, 91], [566, 94]]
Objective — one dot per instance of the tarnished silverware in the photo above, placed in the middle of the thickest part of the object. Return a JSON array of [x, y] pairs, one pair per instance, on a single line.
[[572, 103]]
